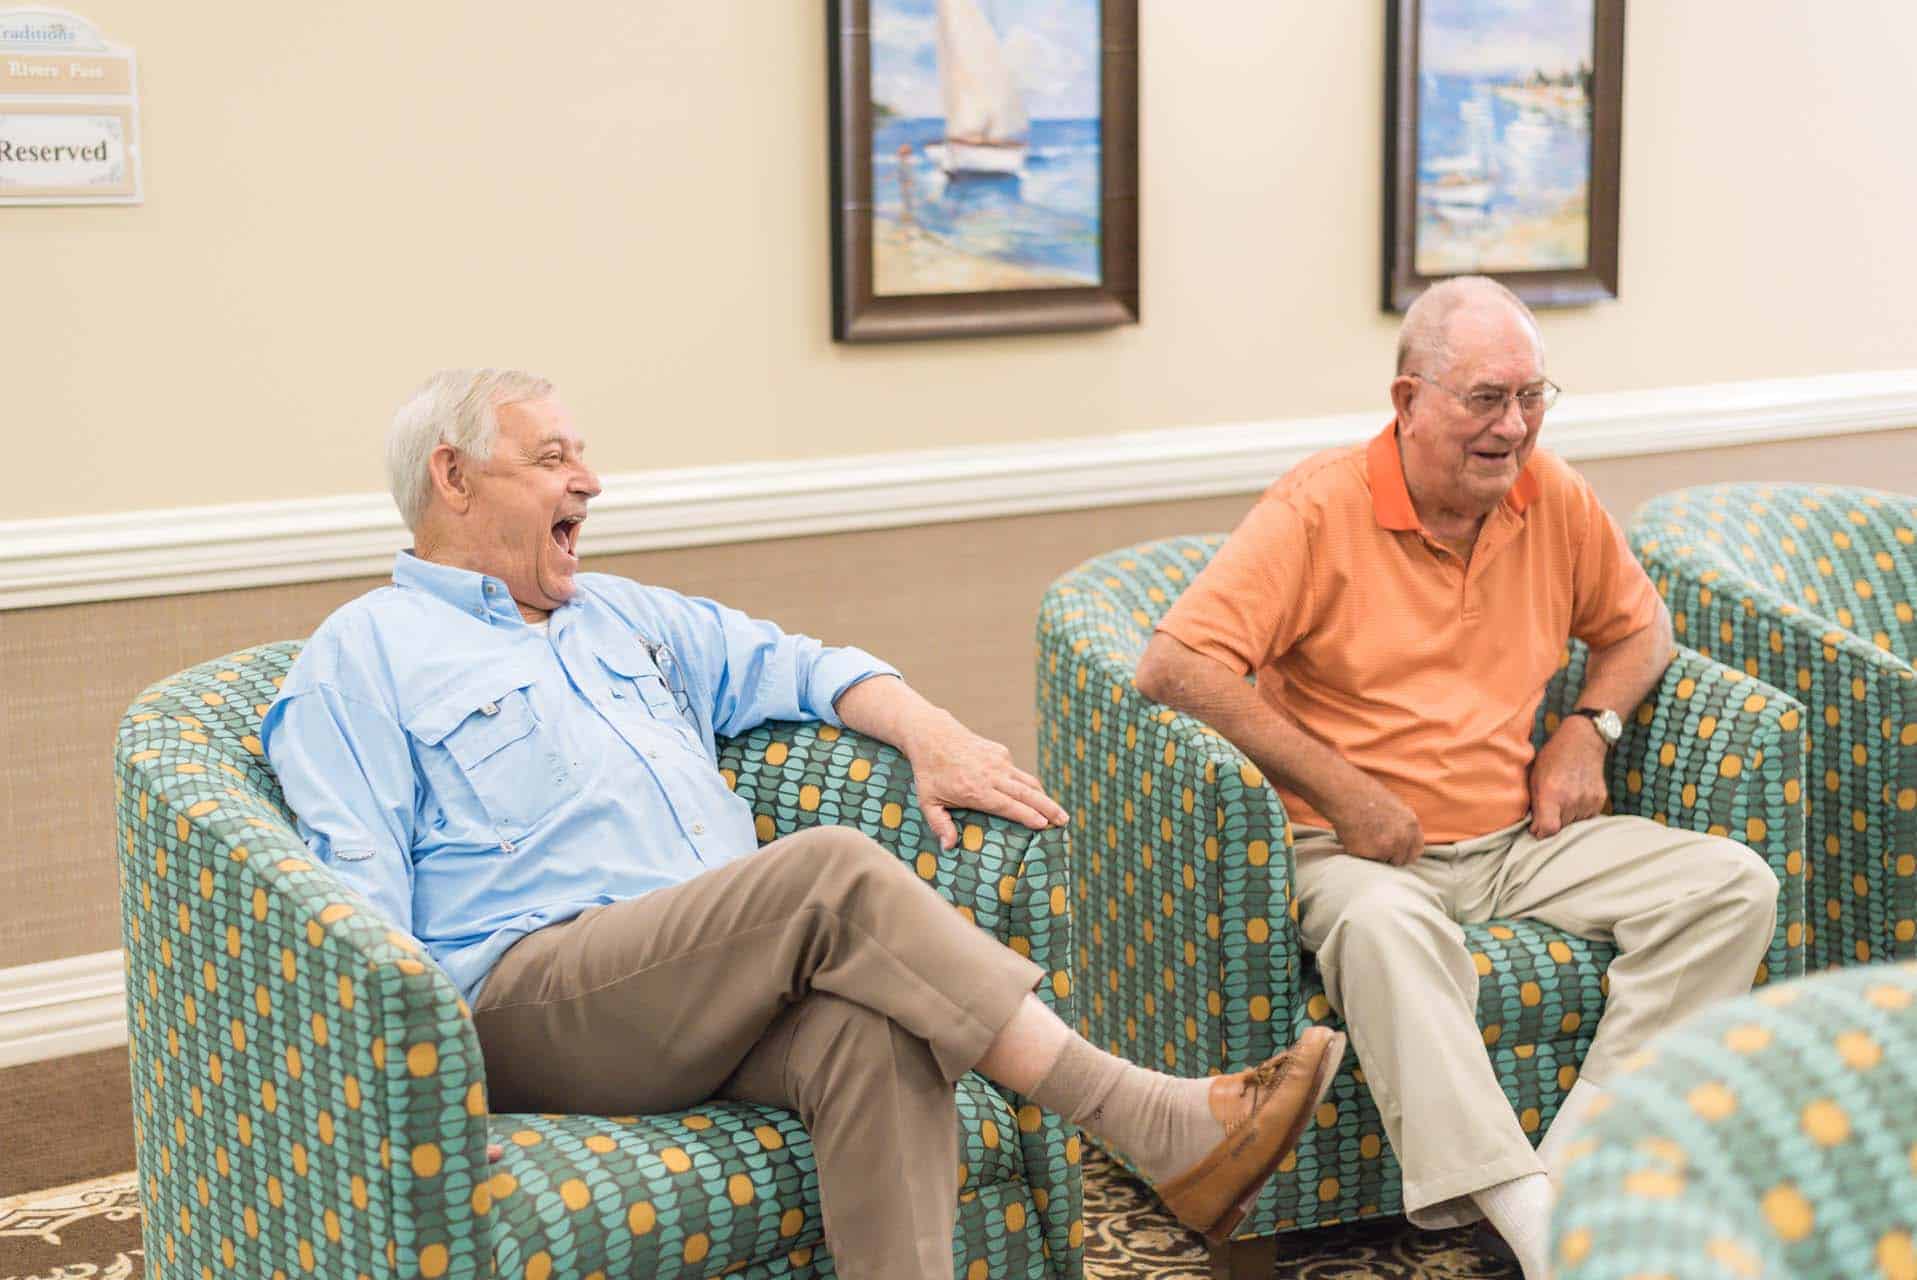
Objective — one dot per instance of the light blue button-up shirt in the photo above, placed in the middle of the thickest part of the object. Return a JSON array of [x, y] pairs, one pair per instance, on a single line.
[[477, 778]]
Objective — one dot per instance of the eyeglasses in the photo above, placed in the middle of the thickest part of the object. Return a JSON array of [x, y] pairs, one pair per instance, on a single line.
[[1488, 404], [668, 665]]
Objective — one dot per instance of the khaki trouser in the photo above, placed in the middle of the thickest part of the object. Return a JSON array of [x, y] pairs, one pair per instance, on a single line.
[[818, 974], [1692, 916]]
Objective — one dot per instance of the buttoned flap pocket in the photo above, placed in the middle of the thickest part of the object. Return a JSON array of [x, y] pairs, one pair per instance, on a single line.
[[492, 735], [632, 671], [475, 719], [490, 728]]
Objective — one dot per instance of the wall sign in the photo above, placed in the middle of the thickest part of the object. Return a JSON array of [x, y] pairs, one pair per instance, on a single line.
[[69, 112]]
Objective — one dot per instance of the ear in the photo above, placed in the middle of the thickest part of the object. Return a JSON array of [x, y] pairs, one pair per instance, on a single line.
[[451, 480], [1404, 388]]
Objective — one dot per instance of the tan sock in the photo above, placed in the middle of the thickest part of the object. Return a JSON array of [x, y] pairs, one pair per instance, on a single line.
[[1162, 1123]]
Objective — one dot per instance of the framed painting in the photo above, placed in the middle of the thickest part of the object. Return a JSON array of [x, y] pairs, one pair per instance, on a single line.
[[1501, 146], [984, 166]]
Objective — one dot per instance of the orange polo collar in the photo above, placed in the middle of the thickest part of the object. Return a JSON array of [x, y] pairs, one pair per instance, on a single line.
[[1391, 500]]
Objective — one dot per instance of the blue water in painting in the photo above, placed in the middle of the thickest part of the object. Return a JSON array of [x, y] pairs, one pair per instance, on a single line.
[[1535, 158], [1047, 218]]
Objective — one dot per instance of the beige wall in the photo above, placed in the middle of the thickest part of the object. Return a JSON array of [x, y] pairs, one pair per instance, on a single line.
[[953, 605], [632, 197]]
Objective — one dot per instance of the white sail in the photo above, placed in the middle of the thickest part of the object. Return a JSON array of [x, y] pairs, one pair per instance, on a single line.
[[982, 104]]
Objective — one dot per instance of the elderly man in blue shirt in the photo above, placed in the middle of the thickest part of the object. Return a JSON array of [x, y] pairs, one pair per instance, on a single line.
[[515, 761]]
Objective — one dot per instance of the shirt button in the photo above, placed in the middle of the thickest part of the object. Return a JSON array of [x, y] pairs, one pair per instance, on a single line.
[[490, 709], [698, 828], [617, 694]]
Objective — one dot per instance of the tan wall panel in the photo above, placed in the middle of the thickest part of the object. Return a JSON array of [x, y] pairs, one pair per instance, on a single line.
[[953, 605], [632, 199]]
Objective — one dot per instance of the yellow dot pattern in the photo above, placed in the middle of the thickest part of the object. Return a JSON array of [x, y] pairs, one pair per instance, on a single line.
[[1766, 1137], [309, 1098], [1813, 589], [1188, 951]]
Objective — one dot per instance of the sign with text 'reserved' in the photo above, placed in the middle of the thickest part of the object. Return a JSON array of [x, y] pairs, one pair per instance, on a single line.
[[69, 112]]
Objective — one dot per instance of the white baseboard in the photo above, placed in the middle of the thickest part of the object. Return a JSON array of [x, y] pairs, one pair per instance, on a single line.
[[75, 559], [62, 1007]]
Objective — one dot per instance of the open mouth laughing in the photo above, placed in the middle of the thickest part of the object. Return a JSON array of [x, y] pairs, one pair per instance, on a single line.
[[565, 535]]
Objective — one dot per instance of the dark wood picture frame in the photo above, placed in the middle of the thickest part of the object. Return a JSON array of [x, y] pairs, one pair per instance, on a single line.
[[1597, 280], [859, 315]]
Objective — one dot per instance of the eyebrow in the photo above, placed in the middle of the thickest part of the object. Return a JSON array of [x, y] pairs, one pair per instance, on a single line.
[[554, 438]]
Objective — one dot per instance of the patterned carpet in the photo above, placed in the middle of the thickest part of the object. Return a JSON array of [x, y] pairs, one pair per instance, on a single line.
[[91, 1231]]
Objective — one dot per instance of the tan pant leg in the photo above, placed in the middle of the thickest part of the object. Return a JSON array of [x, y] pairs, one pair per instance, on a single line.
[[1691, 914], [1395, 965], [884, 1126], [650, 1004]]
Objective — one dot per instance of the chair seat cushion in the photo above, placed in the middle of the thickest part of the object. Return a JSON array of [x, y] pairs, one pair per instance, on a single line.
[[706, 1189], [1540, 994]]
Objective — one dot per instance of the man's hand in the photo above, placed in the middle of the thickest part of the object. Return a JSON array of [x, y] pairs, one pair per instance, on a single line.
[[1373, 823], [1567, 778], [956, 768]]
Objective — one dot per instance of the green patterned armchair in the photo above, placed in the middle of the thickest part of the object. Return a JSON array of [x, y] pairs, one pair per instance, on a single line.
[[308, 1091], [1188, 950], [1814, 589], [1769, 1137]]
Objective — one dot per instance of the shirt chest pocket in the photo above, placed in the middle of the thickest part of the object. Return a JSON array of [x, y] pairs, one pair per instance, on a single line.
[[492, 738], [644, 687]]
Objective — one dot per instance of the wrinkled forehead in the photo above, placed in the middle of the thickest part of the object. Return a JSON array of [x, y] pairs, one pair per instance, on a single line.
[[1492, 341], [534, 423]]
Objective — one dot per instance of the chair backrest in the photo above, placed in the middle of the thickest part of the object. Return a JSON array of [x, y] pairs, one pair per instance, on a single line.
[[217, 706], [1102, 614], [1846, 555], [1768, 1135]]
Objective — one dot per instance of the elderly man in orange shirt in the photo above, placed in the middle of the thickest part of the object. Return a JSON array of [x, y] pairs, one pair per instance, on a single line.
[[1403, 604]]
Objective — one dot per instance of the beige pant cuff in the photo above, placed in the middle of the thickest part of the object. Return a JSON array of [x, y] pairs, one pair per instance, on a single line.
[[1445, 1201], [985, 1013]]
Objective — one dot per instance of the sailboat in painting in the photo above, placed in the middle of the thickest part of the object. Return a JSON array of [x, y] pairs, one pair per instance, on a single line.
[[986, 128]]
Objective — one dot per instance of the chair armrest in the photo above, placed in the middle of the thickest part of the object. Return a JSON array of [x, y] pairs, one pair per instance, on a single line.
[[1714, 750], [1191, 955], [1862, 763], [1009, 880], [284, 1037]]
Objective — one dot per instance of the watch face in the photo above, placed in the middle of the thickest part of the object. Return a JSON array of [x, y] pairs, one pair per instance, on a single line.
[[1610, 725]]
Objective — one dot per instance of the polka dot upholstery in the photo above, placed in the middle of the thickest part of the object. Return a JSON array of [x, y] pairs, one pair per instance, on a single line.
[[1188, 946], [1770, 1136], [1814, 589], [309, 1096]]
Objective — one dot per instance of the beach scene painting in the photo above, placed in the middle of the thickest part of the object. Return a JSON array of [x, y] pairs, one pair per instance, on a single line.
[[986, 140], [1504, 132]]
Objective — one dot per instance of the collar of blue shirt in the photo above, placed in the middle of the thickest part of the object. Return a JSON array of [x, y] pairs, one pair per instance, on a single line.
[[479, 594]]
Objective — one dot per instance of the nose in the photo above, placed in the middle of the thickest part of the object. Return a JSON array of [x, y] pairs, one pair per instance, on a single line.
[[1510, 424], [585, 481]]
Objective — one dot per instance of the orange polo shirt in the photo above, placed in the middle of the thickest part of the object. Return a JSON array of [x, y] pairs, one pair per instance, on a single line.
[[1421, 671]]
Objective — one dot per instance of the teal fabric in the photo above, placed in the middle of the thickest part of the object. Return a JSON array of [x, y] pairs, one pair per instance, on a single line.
[[1769, 1137], [308, 1092], [1813, 588], [1188, 950]]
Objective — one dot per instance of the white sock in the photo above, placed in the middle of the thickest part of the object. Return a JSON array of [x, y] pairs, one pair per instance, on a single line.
[[1570, 1119], [1521, 1211]]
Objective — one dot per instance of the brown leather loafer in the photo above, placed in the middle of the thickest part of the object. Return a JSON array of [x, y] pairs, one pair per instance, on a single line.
[[1215, 1194]]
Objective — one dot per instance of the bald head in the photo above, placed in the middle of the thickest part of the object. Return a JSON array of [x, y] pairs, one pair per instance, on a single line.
[[1423, 338]]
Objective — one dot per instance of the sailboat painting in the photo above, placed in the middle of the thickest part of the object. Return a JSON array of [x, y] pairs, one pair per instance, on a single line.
[[985, 146], [1504, 135]]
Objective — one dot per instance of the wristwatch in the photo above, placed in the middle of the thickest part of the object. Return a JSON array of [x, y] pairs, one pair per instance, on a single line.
[[1609, 726]]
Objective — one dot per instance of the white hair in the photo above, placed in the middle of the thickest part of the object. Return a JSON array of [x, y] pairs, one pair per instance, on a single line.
[[1423, 344], [456, 407]]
